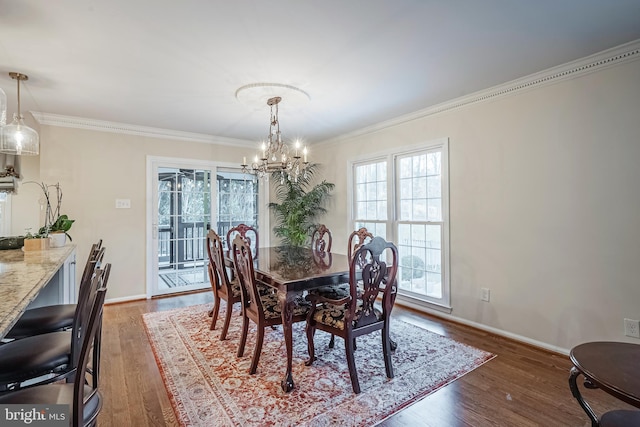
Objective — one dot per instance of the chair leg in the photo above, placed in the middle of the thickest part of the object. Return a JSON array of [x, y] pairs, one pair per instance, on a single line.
[[257, 351], [243, 338], [386, 349], [227, 321], [311, 330], [332, 341], [214, 312], [348, 344]]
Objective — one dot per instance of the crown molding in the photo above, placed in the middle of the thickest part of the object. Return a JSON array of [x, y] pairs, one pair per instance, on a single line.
[[127, 129], [618, 55]]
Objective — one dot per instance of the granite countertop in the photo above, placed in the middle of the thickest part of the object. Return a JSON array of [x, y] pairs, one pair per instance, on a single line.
[[22, 276]]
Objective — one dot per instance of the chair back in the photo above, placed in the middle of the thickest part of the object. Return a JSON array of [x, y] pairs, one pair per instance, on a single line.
[[82, 391], [217, 270], [249, 233], [243, 261], [95, 258], [321, 239], [356, 239], [373, 268], [83, 311]]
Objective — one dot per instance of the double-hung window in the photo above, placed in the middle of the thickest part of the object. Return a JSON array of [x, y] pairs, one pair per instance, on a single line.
[[402, 196]]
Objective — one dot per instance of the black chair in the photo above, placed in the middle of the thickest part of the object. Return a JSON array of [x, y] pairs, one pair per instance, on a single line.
[[82, 395], [58, 317], [262, 309], [373, 268], [53, 356]]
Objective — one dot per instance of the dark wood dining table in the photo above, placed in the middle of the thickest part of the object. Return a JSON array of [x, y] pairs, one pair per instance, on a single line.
[[291, 271], [613, 368]]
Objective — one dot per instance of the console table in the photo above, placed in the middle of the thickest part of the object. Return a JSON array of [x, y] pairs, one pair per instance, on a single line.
[[613, 367], [33, 279]]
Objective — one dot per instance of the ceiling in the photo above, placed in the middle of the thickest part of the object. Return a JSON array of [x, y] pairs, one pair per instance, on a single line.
[[176, 65]]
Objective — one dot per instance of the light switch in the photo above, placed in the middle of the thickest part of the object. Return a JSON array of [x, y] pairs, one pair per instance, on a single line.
[[123, 203]]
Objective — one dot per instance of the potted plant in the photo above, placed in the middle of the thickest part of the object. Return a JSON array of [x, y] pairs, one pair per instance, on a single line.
[[56, 226], [58, 231], [36, 242], [299, 205]]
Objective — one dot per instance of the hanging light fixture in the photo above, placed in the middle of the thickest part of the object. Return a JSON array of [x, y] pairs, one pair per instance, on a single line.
[[18, 138], [3, 109], [275, 155]]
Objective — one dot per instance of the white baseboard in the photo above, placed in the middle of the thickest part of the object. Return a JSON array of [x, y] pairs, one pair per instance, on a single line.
[[483, 327], [125, 299]]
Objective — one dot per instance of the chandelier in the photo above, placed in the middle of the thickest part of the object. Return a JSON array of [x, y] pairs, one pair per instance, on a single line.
[[275, 155], [17, 138]]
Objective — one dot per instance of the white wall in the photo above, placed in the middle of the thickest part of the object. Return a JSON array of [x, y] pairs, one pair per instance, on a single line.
[[544, 203], [95, 168]]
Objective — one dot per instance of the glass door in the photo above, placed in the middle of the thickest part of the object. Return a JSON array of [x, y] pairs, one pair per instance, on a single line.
[[187, 199], [181, 216]]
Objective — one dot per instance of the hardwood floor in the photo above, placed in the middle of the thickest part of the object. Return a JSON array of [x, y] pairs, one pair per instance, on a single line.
[[523, 386]]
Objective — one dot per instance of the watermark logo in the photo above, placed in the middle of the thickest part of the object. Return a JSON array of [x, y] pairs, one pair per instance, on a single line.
[[34, 415]]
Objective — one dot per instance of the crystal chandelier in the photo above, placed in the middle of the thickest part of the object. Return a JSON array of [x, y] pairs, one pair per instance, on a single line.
[[275, 155]]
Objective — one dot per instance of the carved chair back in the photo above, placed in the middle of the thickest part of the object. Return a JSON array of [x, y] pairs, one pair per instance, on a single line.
[[243, 261], [373, 270], [249, 233], [321, 239], [217, 269]]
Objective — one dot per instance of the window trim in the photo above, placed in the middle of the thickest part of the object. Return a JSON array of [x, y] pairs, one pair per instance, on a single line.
[[390, 156]]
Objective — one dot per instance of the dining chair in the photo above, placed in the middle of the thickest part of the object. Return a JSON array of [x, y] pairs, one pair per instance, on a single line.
[[223, 287], [52, 356], [81, 395], [247, 232], [356, 239], [321, 239], [57, 317], [262, 309], [373, 269]]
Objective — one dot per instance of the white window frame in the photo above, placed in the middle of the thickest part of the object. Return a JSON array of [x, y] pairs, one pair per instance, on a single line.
[[5, 216], [390, 157]]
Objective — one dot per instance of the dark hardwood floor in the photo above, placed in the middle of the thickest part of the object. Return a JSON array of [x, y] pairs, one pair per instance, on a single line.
[[523, 386]]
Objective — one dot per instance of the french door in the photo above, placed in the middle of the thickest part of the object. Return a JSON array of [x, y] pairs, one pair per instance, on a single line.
[[187, 198]]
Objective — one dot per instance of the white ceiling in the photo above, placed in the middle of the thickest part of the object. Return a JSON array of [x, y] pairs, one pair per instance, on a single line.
[[177, 64]]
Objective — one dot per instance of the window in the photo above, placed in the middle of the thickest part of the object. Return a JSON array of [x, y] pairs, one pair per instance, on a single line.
[[403, 198], [237, 201]]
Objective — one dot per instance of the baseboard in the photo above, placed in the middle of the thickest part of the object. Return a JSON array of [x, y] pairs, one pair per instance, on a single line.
[[126, 299], [486, 328]]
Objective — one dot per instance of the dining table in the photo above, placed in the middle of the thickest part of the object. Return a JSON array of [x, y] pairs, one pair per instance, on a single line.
[[291, 271]]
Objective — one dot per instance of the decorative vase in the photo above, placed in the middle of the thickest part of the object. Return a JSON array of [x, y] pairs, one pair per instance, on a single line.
[[58, 240]]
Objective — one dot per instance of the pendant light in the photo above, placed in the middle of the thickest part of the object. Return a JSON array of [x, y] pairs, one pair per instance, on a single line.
[[3, 109], [18, 138]]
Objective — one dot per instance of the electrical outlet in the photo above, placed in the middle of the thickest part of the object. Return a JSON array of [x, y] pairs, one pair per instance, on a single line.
[[632, 328], [485, 294]]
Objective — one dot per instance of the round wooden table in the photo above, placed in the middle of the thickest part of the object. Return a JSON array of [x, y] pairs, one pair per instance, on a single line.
[[613, 367]]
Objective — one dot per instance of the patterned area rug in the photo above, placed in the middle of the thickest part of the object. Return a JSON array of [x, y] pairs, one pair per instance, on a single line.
[[209, 386]]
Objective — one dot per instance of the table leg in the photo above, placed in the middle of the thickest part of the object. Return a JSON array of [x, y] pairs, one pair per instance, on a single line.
[[573, 385], [287, 301]]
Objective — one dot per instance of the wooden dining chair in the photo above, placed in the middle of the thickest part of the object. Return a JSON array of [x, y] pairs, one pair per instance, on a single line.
[[321, 239], [249, 233], [262, 309], [223, 287], [373, 269]]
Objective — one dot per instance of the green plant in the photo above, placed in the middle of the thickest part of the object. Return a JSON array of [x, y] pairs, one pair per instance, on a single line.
[[61, 225], [300, 204]]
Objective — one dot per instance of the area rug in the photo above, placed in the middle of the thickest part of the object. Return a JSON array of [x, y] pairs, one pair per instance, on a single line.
[[209, 386]]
